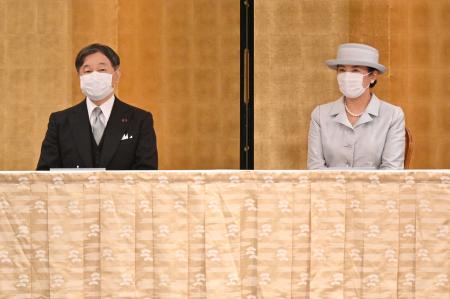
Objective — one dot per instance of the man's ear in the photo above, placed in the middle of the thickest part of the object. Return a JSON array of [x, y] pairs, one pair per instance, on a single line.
[[116, 77]]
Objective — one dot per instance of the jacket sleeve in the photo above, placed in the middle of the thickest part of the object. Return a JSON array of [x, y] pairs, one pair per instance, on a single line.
[[394, 149], [146, 152], [316, 158], [50, 154]]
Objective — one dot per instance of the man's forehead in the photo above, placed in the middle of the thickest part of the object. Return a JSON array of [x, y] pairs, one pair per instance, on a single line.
[[94, 59]]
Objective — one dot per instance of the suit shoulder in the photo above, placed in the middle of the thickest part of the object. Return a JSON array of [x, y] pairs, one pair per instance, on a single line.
[[136, 110], [65, 112], [330, 105], [392, 109], [325, 108]]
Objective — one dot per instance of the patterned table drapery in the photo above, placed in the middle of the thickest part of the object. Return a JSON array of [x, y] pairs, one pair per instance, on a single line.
[[225, 234]]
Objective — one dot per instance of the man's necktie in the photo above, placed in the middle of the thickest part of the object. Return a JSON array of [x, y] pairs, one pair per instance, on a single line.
[[97, 126]]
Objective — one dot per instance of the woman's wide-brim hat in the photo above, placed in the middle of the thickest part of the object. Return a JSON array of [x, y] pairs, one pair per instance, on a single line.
[[357, 54]]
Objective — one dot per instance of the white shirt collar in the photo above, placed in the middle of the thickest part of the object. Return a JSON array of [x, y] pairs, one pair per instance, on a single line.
[[106, 107]]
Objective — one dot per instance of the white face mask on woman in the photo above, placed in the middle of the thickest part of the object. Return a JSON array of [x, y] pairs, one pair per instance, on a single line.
[[96, 86], [351, 84]]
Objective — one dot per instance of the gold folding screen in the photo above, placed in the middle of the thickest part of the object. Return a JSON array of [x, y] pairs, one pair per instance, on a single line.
[[294, 38], [291, 38], [35, 68], [180, 60], [182, 63]]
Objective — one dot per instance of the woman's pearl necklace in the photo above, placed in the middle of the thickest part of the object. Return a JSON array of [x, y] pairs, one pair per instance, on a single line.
[[351, 113]]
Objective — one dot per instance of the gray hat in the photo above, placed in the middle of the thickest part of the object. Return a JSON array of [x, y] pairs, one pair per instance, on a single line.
[[356, 54]]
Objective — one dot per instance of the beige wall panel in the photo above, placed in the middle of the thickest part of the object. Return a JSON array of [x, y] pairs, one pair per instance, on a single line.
[[413, 38], [292, 41], [92, 22], [180, 60], [369, 23], [428, 75], [3, 115], [2, 82], [34, 61]]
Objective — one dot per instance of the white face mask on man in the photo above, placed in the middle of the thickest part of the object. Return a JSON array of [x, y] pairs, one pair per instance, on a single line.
[[96, 86], [351, 84]]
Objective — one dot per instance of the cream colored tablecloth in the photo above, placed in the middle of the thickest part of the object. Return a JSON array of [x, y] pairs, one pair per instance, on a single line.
[[229, 234]]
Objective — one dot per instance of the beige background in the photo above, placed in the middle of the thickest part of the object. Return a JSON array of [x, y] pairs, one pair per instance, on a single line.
[[294, 38], [180, 60]]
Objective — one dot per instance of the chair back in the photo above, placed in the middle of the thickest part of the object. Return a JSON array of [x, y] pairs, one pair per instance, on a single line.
[[409, 146]]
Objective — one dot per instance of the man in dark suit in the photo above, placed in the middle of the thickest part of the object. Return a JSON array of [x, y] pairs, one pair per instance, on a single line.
[[101, 131]]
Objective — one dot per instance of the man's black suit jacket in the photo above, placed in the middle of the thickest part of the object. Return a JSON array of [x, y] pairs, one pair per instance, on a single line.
[[67, 143]]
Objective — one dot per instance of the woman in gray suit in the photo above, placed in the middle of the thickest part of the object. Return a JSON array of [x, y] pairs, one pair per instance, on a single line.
[[358, 130]]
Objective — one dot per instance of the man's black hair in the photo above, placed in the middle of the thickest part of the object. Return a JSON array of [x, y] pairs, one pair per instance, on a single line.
[[95, 48]]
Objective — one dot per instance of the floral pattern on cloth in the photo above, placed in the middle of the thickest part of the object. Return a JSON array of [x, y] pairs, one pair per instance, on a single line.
[[225, 234]]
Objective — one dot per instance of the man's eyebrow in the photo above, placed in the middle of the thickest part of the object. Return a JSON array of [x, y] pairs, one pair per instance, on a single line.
[[101, 63]]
